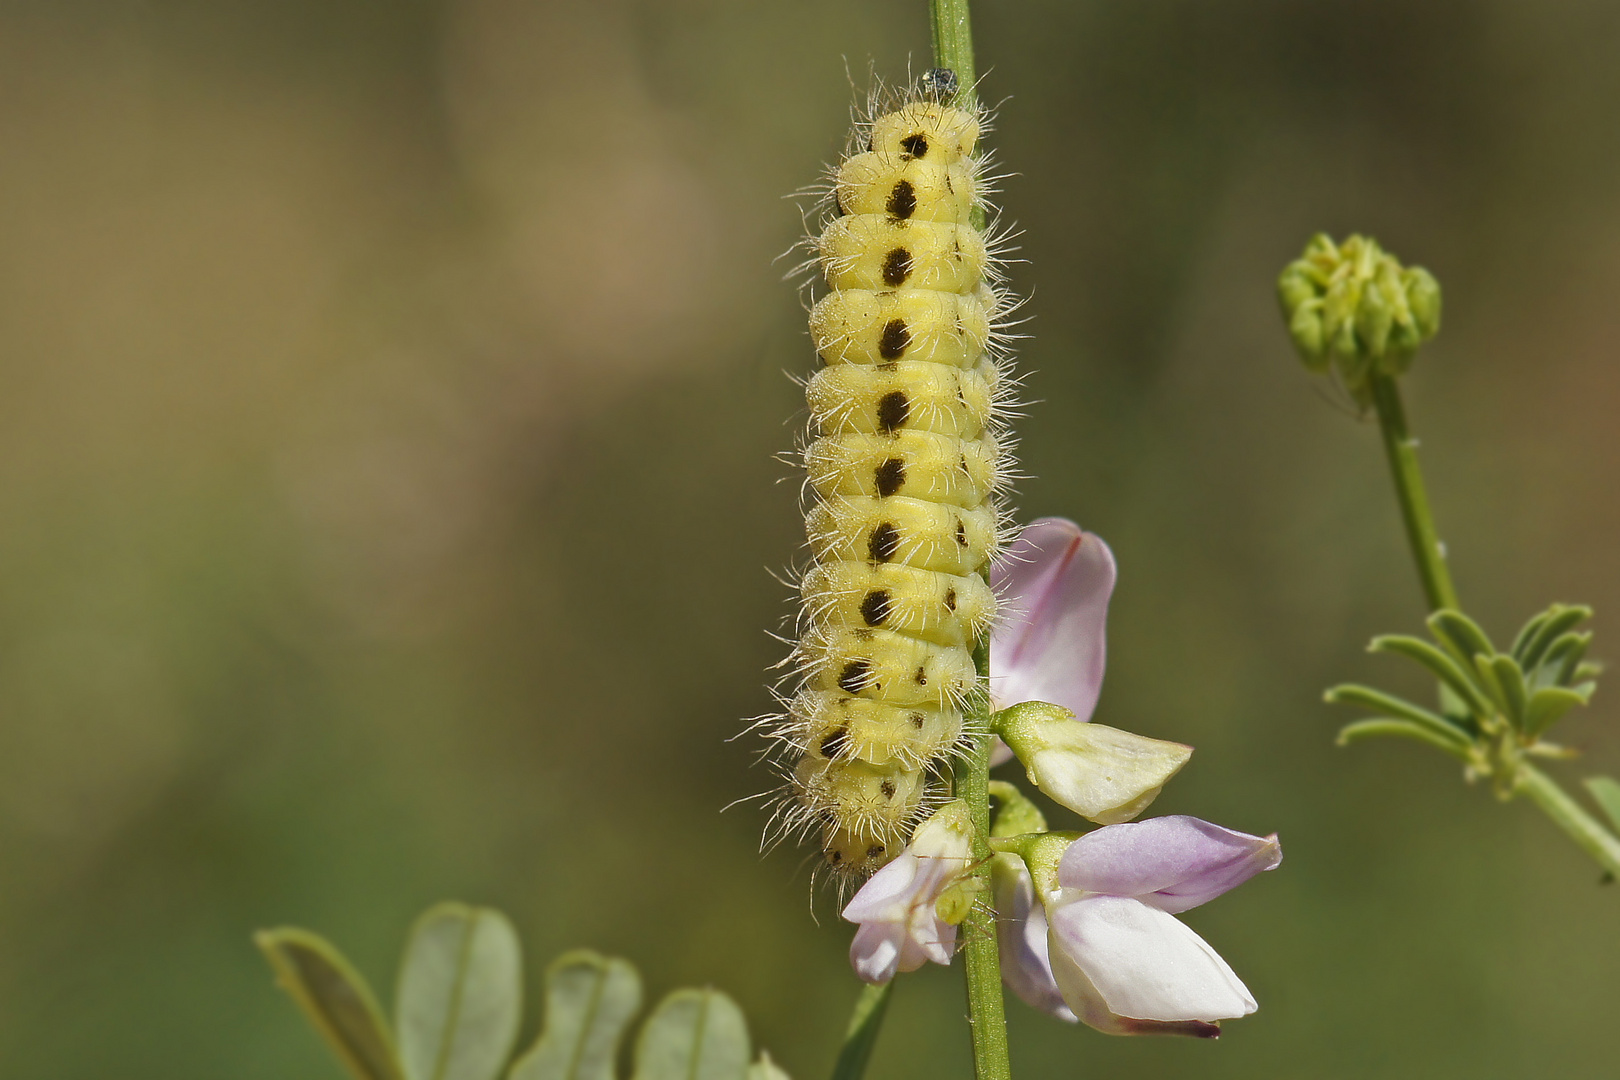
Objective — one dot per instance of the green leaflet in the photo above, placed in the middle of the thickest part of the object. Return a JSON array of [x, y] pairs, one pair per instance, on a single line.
[[460, 994], [693, 1035], [335, 998], [1551, 702], [1461, 635], [590, 1001], [1606, 792], [1403, 729], [1446, 669], [1554, 623], [1442, 732]]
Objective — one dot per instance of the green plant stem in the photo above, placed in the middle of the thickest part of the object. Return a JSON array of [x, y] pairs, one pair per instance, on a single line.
[[1542, 789], [953, 50], [864, 1024], [987, 1014], [953, 45], [1414, 499], [1567, 814]]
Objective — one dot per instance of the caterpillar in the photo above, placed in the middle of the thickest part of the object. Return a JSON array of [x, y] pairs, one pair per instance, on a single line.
[[905, 468]]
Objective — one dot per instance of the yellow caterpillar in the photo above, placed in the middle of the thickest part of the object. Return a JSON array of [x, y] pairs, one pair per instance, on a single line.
[[904, 467]]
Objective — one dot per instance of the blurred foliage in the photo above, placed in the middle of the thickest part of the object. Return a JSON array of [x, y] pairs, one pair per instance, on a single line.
[[387, 396]]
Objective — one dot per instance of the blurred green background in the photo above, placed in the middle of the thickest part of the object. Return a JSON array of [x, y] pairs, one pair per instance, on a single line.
[[387, 400]]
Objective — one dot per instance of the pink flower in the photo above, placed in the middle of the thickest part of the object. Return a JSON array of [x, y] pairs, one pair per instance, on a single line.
[[1122, 961], [897, 908], [1053, 582]]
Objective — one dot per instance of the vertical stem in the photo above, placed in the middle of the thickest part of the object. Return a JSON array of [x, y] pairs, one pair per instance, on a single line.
[[953, 49], [1567, 814], [987, 1016], [1403, 466], [864, 1024], [953, 45]]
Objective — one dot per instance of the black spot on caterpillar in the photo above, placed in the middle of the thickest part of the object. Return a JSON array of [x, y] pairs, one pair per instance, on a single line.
[[905, 469], [893, 410], [892, 344], [902, 200], [884, 543], [890, 476], [896, 266], [875, 608]]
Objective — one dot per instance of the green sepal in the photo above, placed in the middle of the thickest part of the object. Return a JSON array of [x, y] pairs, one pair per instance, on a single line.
[[335, 999], [460, 994], [1440, 663], [1460, 635], [1403, 729], [1606, 793], [590, 1001], [1558, 621], [1016, 813], [1550, 703], [1442, 730], [693, 1035]]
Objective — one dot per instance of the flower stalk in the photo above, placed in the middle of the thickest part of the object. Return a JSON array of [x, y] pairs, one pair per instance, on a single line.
[[1427, 549]]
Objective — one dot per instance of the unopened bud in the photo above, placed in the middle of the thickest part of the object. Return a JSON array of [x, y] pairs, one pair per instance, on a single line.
[[1354, 309]]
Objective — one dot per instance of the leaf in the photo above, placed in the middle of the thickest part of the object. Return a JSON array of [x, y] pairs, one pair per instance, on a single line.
[[1549, 703], [590, 1000], [1527, 633], [1442, 729], [1402, 729], [1493, 684], [1560, 620], [766, 1069], [1606, 792], [1443, 666], [1514, 694], [693, 1035], [1563, 657], [460, 994], [335, 999], [1460, 634]]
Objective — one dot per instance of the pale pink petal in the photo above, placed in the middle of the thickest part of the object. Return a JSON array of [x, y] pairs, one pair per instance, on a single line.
[[1173, 863], [1143, 963], [888, 893], [1053, 583]]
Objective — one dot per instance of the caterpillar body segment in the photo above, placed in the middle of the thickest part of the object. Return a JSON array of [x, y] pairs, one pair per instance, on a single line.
[[910, 394], [946, 609], [914, 532], [860, 325], [904, 468]]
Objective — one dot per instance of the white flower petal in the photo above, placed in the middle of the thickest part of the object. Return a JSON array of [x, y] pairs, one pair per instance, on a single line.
[[1141, 963], [875, 952]]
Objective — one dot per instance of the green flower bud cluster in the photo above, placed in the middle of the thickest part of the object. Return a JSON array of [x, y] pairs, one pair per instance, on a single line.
[[1354, 309]]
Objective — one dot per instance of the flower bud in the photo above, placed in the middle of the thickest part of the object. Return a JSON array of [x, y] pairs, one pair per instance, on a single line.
[[1354, 309], [1101, 773]]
